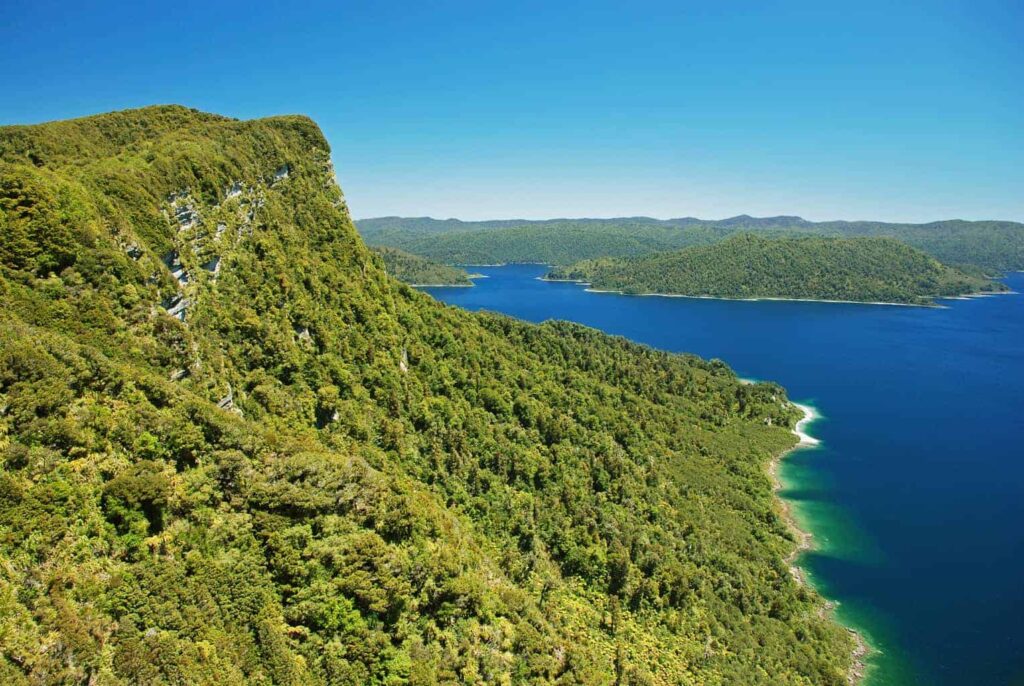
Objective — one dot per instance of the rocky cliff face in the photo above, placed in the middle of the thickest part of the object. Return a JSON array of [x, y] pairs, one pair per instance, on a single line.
[[232, 450]]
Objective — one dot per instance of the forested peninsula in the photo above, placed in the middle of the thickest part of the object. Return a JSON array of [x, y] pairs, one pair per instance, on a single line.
[[992, 247], [419, 271], [233, 450], [748, 265]]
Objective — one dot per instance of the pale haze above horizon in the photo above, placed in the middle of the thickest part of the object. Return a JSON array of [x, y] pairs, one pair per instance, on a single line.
[[907, 112]]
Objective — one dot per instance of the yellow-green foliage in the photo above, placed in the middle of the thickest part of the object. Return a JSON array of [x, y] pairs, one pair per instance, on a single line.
[[323, 476]]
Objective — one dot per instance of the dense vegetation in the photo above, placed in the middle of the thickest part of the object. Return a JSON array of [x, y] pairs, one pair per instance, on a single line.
[[751, 266], [990, 246], [555, 242], [233, 450], [413, 269]]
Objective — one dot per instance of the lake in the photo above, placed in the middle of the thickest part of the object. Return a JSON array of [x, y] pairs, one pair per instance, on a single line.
[[915, 495]]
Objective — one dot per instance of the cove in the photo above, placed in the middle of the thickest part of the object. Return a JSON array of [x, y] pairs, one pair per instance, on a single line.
[[915, 495]]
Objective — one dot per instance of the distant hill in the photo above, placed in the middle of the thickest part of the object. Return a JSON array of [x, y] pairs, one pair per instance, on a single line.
[[751, 266], [554, 242], [745, 221], [992, 246], [419, 271]]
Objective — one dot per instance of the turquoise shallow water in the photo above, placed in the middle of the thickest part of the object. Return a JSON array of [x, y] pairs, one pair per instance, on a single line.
[[915, 495]]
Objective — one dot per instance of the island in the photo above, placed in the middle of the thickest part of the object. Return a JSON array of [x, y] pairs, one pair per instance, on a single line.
[[750, 266]]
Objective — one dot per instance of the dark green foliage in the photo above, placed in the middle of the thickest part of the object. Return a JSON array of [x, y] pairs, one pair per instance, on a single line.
[[752, 266], [416, 270], [992, 246], [324, 476]]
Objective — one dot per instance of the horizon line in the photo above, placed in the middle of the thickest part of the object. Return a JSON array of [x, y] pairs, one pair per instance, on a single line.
[[690, 217]]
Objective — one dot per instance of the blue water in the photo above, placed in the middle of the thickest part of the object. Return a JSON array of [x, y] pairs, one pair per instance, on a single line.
[[916, 495]]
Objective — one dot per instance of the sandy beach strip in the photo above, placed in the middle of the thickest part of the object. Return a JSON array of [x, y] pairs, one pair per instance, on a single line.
[[809, 416], [861, 648]]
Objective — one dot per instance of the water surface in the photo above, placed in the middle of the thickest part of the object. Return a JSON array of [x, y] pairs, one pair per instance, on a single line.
[[916, 494]]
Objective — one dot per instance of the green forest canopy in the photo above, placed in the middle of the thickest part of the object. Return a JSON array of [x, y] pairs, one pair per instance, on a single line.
[[233, 450], [989, 246], [749, 265], [416, 270]]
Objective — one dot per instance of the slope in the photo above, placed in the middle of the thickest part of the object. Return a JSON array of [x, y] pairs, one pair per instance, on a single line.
[[233, 450]]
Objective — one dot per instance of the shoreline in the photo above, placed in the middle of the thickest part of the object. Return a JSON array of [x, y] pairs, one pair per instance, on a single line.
[[500, 264], [590, 289], [761, 298], [861, 649], [449, 285], [936, 304], [980, 294]]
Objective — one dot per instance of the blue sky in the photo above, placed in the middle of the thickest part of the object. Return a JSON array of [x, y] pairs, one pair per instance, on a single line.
[[909, 111]]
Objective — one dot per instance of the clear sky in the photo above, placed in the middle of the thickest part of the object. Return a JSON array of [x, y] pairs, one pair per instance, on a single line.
[[902, 110]]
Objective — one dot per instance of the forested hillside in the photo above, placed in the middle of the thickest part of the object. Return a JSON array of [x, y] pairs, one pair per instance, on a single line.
[[416, 270], [991, 246], [555, 242], [233, 450], [753, 266]]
